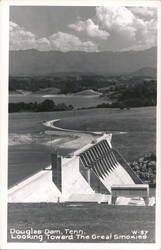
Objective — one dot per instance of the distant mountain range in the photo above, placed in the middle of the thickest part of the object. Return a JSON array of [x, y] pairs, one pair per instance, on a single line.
[[41, 63]]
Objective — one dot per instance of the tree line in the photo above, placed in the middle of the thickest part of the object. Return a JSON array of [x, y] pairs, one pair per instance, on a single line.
[[45, 106], [135, 95]]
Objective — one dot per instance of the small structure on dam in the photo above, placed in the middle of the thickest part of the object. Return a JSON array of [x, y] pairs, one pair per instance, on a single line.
[[93, 173]]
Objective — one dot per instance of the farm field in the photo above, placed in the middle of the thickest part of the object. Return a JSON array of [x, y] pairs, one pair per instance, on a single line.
[[25, 158], [91, 218]]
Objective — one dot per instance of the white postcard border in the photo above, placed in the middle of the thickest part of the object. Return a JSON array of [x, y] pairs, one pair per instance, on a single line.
[[4, 52]]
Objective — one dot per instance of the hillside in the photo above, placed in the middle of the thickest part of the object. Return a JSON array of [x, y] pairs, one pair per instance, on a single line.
[[146, 72], [88, 92], [40, 63]]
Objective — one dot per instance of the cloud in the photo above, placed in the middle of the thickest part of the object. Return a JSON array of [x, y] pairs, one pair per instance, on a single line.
[[90, 29], [144, 12], [121, 28], [117, 19], [112, 28], [42, 44], [65, 42], [114, 16], [129, 26], [21, 39]]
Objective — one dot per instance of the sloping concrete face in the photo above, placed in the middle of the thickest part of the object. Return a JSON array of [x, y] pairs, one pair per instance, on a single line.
[[72, 180], [102, 161], [37, 188], [95, 159]]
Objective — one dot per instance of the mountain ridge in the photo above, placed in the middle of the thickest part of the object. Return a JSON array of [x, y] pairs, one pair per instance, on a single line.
[[34, 63]]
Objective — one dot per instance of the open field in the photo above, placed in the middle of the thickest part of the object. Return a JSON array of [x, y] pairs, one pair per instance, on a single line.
[[25, 158], [112, 119], [91, 218], [139, 123]]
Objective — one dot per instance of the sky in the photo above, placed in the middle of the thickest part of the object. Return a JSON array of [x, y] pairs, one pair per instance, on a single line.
[[89, 29]]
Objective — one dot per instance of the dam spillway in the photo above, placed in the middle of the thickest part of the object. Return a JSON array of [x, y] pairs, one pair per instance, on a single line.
[[101, 160], [84, 175], [91, 170]]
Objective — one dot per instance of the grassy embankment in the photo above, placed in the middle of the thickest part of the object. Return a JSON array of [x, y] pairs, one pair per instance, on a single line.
[[93, 219]]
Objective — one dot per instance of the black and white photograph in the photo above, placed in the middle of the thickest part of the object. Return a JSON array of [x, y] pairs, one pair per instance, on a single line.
[[82, 160]]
